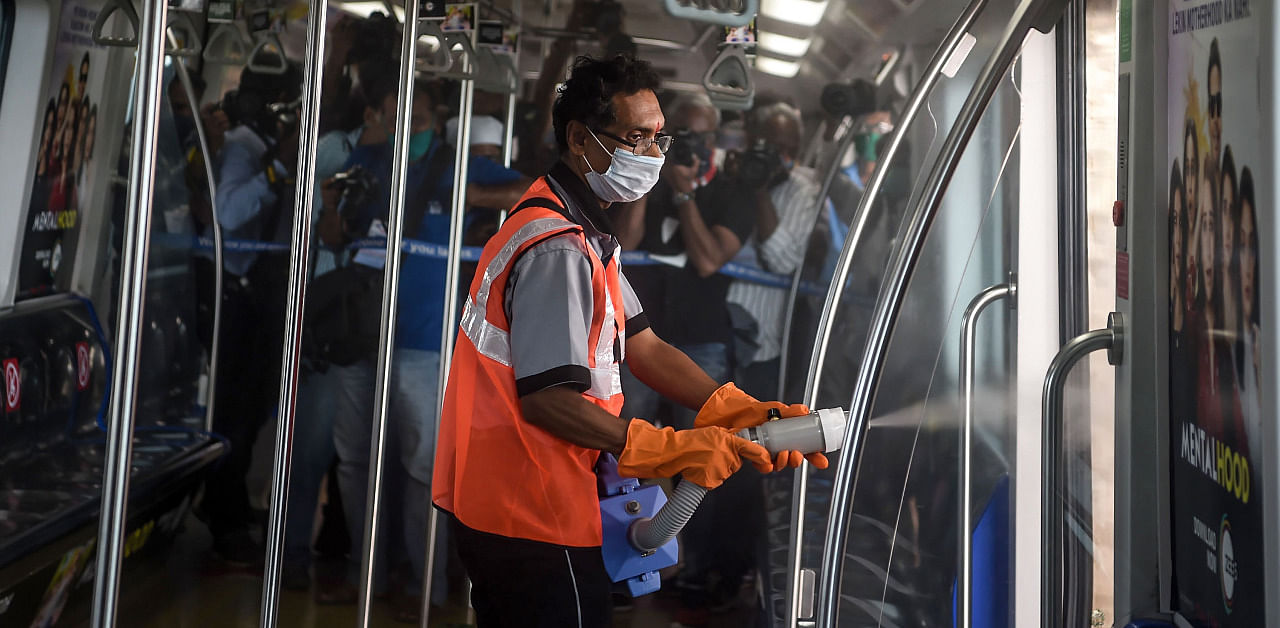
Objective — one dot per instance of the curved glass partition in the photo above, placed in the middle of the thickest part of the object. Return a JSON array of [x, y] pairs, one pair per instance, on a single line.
[[964, 254]]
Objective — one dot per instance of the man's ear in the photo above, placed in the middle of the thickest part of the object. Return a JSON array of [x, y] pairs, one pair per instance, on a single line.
[[576, 136]]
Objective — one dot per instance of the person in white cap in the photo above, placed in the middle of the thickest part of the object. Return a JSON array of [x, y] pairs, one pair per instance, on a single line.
[[486, 136]]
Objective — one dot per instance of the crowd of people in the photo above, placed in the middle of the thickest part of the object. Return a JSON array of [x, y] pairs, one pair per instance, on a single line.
[[1214, 317], [731, 190]]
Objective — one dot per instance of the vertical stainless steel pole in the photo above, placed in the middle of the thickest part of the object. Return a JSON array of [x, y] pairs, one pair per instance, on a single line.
[[133, 287], [462, 157], [507, 145], [968, 355], [299, 262], [212, 391], [390, 294]]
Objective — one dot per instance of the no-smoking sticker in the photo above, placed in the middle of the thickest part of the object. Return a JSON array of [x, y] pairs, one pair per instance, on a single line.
[[82, 366], [12, 385]]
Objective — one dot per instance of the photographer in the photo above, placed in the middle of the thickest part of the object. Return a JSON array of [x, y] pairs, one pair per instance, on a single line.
[[254, 202], [786, 206], [420, 314]]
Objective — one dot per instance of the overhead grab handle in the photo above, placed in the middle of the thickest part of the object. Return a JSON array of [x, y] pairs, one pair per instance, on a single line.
[[464, 67], [438, 61], [688, 9], [728, 80], [496, 72], [184, 40], [278, 66], [126, 8], [234, 48]]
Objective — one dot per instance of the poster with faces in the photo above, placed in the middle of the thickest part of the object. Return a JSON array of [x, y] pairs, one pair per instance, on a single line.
[[1213, 183]]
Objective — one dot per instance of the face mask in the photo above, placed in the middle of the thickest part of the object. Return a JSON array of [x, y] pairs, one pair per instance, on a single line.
[[866, 145], [419, 143], [629, 177]]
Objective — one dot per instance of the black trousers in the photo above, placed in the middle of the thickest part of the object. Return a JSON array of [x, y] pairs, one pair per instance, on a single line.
[[527, 584], [248, 381]]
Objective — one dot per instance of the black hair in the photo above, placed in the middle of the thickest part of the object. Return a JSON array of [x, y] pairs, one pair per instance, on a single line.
[[587, 96], [84, 59], [1228, 171], [1178, 230], [1247, 198], [1215, 61]]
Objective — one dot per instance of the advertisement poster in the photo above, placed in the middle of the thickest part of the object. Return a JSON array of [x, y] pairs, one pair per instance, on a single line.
[[65, 153], [1215, 336]]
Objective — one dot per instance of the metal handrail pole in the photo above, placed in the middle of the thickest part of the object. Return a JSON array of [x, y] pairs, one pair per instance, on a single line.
[[133, 288], [295, 307], [968, 357], [462, 156], [915, 105], [1051, 511], [390, 294], [212, 389], [893, 293]]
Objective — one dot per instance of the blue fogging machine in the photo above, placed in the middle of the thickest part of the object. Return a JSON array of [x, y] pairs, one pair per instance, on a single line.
[[640, 524]]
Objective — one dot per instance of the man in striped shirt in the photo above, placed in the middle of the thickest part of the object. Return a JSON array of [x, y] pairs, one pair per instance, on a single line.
[[786, 210]]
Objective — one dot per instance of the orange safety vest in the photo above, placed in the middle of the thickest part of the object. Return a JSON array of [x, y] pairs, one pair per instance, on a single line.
[[494, 471]]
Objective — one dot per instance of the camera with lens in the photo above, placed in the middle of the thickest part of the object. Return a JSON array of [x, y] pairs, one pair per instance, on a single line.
[[760, 166], [355, 187], [685, 146]]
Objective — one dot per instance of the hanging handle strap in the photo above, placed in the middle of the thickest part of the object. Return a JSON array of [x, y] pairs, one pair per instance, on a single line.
[[183, 29], [728, 80], [439, 60], [279, 66], [125, 7], [234, 48], [687, 9]]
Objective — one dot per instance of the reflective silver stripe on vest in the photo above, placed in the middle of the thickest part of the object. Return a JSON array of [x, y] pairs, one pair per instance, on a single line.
[[490, 340], [606, 378]]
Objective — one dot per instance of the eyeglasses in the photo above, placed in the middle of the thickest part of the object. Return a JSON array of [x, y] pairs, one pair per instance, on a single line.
[[642, 145]]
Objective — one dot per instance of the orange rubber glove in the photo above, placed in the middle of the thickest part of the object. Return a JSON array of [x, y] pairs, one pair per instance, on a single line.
[[706, 456], [730, 408]]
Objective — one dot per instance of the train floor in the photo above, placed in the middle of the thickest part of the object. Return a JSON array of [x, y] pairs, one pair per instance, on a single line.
[[193, 589]]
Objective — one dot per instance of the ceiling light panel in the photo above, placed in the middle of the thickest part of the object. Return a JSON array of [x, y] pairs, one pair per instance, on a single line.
[[801, 12], [783, 45]]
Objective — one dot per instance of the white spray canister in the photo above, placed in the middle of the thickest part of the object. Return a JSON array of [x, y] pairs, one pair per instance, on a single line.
[[818, 431]]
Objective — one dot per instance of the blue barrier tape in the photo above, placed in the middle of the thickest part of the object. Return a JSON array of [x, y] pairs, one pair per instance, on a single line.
[[432, 250]]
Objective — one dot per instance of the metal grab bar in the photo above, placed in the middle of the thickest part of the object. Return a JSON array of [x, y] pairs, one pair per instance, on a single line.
[[181, 24], [299, 263], [264, 42], [462, 154], [237, 41], [738, 91], [686, 10], [1051, 529], [390, 297], [125, 7], [133, 288], [893, 293], [857, 228], [210, 405], [968, 356], [465, 67], [496, 72]]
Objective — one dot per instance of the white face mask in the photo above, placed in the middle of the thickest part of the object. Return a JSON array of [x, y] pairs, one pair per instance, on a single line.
[[629, 177]]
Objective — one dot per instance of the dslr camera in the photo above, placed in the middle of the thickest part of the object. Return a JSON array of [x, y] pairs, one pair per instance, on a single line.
[[685, 146], [760, 166], [356, 187]]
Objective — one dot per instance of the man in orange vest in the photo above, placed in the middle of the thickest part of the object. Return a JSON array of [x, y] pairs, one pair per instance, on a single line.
[[534, 390]]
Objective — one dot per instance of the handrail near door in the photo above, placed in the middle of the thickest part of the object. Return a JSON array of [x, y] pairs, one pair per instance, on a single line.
[[1051, 512], [133, 287], [915, 105], [299, 262], [893, 291], [968, 356]]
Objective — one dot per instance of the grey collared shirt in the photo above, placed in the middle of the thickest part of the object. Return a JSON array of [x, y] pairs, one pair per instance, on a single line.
[[549, 300]]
